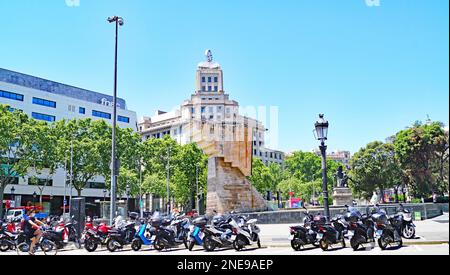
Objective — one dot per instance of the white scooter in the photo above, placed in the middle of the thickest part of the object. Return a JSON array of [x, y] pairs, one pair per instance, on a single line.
[[247, 233]]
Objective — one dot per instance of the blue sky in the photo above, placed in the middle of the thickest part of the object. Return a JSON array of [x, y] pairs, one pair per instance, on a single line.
[[371, 70]]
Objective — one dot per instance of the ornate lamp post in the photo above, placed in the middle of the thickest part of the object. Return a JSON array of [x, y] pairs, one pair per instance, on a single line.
[[321, 134]]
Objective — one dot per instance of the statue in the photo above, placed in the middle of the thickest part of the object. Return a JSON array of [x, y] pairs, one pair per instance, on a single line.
[[339, 177]]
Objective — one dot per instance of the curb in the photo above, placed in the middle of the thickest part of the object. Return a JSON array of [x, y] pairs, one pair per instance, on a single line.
[[283, 245]]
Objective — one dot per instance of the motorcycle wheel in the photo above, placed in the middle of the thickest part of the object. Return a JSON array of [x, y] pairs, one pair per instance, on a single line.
[[4, 246], [354, 244], [296, 245], [239, 243], [185, 242], [383, 243], [136, 245], [324, 244], [191, 245], [208, 244], [111, 246], [90, 246], [409, 232], [158, 245]]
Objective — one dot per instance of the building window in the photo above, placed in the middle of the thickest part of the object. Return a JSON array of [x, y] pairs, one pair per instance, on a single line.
[[123, 119], [209, 88], [43, 117], [219, 108], [211, 109], [203, 110], [216, 89], [40, 182], [95, 185], [203, 88], [72, 108], [101, 114], [228, 110], [82, 110], [192, 110], [12, 96], [203, 79], [209, 79], [216, 79], [44, 102]]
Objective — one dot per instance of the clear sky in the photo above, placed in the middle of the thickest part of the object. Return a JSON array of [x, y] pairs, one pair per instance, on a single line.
[[371, 70]]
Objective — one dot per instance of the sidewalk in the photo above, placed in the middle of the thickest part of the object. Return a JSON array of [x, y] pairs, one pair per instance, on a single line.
[[434, 231]]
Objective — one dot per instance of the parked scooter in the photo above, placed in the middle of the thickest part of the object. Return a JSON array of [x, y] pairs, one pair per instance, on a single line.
[[62, 234], [95, 235], [247, 233], [196, 234], [331, 234], [166, 236], [408, 226], [361, 228], [306, 234], [219, 234], [388, 229], [123, 234], [146, 235]]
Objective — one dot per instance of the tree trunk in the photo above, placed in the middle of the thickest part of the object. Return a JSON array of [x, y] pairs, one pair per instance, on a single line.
[[79, 192], [396, 195], [2, 190]]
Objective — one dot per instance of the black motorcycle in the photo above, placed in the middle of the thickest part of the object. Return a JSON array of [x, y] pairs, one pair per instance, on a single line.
[[166, 237], [331, 234], [219, 234], [56, 235], [408, 226], [306, 234], [388, 229], [361, 228], [118, 238]]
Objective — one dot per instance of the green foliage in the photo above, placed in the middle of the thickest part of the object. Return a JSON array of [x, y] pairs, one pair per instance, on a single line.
[[374, 168], [423, 152]]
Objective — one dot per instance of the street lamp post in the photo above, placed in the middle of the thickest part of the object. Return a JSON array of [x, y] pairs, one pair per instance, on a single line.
[[197, 203], [114, 164], [321, 133], [104, 194], [34, 199], [168, 179], [128, 196]]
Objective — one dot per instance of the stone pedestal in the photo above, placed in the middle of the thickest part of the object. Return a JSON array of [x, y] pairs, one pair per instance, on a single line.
[[342, 196], [229, 190]]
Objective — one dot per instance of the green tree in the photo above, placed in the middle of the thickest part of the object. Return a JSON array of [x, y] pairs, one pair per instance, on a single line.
[[41, 141], [261, 177], [423, 154], [374, 168], [12, 148]]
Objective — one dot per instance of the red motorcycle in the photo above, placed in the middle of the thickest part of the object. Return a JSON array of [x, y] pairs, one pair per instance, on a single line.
[[95, 235]]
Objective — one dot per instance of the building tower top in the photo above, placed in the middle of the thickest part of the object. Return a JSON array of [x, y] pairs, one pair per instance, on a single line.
[[209, 76]]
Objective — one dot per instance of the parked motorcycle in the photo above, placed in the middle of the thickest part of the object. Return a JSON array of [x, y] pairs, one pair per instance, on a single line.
[[306, 234], [388, 229], [123, 234], [331, 234], [95, 236], [247, 233], [408, 226], [166, 236], [361, 228]]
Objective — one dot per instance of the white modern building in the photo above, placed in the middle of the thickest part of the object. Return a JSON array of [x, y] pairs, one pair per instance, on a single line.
[[211, 104], [52, 101]]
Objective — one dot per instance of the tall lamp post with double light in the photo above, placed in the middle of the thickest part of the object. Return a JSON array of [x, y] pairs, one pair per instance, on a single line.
[[114, 162], [321, 134]]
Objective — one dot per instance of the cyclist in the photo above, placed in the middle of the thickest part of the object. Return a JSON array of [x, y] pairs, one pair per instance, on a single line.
[[33, 229]]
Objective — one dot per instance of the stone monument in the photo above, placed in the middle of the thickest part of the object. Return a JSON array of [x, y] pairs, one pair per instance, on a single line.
[[229, 148], [342, 195]]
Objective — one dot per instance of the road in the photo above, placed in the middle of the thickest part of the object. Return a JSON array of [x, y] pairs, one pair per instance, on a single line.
[[433, 237]]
